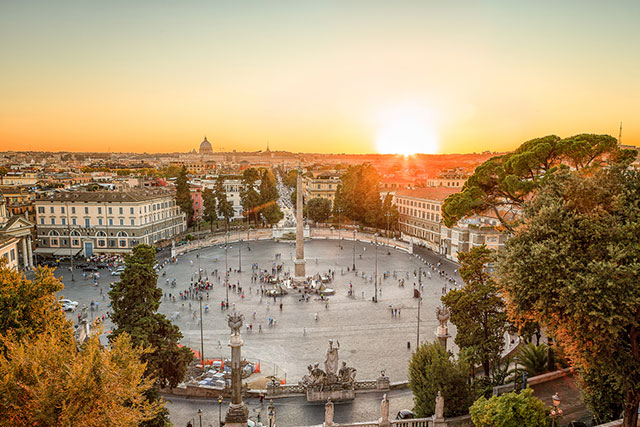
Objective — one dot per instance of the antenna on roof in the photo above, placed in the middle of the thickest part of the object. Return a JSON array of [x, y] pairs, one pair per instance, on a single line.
[[620, 135]]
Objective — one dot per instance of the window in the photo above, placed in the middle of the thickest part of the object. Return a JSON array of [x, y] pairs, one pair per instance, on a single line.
[[110, 221], [42, 221], [87, 222], [75, 242], [62, 209], [86, 210], [53, 221], [131, 211], [73, 221], [64, 221], [120, 211], [110, 210], [73, 209], [121, 221], [13, 254], [99, 210], [133, 221], [99, 221], [40, 209], [52, 209]]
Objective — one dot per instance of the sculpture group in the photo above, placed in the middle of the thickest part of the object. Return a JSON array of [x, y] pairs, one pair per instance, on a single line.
[[332, 382]]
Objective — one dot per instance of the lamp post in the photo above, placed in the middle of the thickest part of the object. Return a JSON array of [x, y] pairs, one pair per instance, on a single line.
[[226, 266], [375, 297], [339, 210], [239, 256], [555, 411], [272, 414], [201, 337], [354, 250], [219, 410], [388, 215], [200, 416], [73, 279], [515, 379]]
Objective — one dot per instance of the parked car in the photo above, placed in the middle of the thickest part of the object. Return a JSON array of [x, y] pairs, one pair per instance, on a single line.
[[405, 414], [90, 268], [68, 301], [50, 263]]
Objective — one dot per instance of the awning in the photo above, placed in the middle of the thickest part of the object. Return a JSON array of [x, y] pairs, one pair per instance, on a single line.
[[67, 251], [46, 251]]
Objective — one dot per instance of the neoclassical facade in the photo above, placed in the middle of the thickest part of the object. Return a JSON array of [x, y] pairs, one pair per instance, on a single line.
[[88, 222]]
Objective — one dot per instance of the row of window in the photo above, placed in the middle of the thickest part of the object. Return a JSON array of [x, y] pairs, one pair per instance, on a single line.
[[417, 204], [430, 216], [152, 207]]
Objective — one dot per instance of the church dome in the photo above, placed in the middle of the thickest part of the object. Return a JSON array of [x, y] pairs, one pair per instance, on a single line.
[[205, 147]]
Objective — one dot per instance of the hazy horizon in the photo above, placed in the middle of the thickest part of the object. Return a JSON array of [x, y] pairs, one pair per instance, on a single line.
[[352, 77]]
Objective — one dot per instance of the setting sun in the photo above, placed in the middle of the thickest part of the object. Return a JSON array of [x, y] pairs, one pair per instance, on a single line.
[[406, 131]]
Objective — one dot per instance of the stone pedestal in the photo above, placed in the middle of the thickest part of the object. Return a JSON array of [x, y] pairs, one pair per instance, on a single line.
[[336, 395], [299, 270], [300, 265], [237, 414]]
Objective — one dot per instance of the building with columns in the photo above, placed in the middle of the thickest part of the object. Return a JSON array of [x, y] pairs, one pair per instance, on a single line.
[[16, 241], [103, 222]]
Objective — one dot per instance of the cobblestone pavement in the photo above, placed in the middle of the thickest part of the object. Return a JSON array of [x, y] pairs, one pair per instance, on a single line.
[[370, 338]]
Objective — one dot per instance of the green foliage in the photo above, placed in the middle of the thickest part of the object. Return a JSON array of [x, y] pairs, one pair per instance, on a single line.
[[358, 196], [210, 204], [291, 179], [504, 182], [251, 200], [510, 410], [46, 381], [477, 309], [318, 209], [170, 171], [574, 266], [389, 214], [268, 208], [30, 307], [225, 207], [533, 358], [601, 393], [433, 369], [183, 196], [135, 300]]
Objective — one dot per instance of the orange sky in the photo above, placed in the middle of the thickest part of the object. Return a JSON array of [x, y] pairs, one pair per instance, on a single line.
[[314, 76]]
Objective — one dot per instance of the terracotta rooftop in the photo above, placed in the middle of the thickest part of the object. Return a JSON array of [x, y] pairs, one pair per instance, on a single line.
[[109, 196], [429, 193]]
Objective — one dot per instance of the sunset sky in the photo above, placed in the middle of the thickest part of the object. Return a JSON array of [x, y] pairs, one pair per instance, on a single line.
[[317, 76]]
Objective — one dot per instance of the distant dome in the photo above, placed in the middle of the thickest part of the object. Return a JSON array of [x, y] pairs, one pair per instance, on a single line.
[[205, 147]]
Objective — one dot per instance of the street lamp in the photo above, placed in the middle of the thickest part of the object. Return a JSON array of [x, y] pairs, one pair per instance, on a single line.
[[555, 411], [226, 266], [201, 337], [272, 414], [339, 210], [239, 256], [219, 410], [375, 297], [388, 215], [354, 250], [200, 416]]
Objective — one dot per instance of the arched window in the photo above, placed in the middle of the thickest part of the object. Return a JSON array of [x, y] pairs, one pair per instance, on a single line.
[[100, 235], [53, 238], [122, 239]]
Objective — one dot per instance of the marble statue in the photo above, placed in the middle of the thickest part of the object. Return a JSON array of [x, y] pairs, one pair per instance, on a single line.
[[347, 374], [235, 322], [328, 413], [439, 406], [384, 407], [331, 361], [443, 314]]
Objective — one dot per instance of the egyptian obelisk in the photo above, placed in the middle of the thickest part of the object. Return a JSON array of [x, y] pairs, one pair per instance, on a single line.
[[299, 262]]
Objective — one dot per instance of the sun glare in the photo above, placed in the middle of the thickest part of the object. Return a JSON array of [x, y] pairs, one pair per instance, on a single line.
[[407, 132]]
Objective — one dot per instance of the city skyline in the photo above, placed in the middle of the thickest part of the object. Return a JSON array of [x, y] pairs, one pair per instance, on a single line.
[[317, 78]]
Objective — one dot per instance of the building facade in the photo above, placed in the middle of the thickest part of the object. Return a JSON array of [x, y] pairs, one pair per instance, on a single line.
[[89, 222], [322, 186], [420, 216]]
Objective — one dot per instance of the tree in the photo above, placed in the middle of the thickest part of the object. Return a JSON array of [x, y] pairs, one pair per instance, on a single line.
[[30, 307], [291, 179], [533, 358], [46, 381], [390, 214], [477, 309], [170, 171], [225, 207], [506, 182], [602, 395], [249, 197], [210, 207], [183, 196], [510, 410], [358, 195], [318, 209], [268, 197], [574, 267], [433, 369], [135, 300]]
